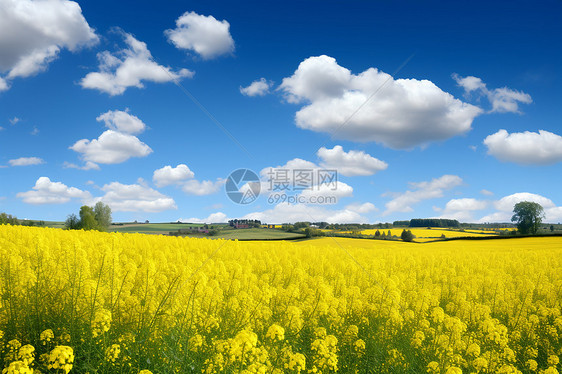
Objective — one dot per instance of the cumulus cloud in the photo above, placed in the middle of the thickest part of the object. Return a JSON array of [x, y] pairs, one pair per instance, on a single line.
[[405, 112], [47, 192], [420, 191], [135, 198], [204, 35], [200, 188], [504, 207], [129, 67], [257, 88], [26, 161], [350, 163], [32, 33], [122, 121], [168, 175], [218, 217], [525, 148], [111, 147], [290, 213], [462, 209], [503, 99]]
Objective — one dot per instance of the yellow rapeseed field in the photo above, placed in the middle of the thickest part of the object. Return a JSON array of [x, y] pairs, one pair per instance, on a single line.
[[433, 233], [89, 302]]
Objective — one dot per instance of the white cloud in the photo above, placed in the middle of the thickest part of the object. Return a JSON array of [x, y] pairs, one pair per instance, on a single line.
[[257, 88], [35, 131], [465, 204], [503, 99], [525, 148], [168, 175], [121, 121], [350, 163], [32, 33], [3, 85], [14, 121], [421, 191], [289, 213], [486, 192], [88, 166], [462, 209], [26, 161], [47, 192], [361, 208], [218, 217], [200, 188], [129, 67], [111, 148], [405, 112], [504, 207], [469, 83], [204, 35], [135, 198]]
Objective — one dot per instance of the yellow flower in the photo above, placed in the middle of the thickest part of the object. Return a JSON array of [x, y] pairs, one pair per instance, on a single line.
[[27, 354], [46, 336], [61, 358], [17, 367], [275, 333], [112, 353]]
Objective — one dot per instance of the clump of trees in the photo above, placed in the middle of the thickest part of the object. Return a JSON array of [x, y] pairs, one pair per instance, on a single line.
[[97, 217], [528, 215], [407, 235]]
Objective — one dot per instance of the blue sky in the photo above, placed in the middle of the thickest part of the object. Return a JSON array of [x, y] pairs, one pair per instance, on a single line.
[[433, 109]]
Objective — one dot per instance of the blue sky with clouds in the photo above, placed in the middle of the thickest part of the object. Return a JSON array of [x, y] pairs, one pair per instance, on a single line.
[[433, 109]]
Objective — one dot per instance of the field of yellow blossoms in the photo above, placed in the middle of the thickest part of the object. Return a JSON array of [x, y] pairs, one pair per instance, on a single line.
[[90, 302]]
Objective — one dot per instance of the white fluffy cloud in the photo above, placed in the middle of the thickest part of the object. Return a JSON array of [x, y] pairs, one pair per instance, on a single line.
[[289, 213], [200, 188], [462, 209], [47, 192], [405, 112], [122, 121], [256, 88], [26, 161], [421, 191], [503, 99], [218, 217], [168, 175], [129, 67], [135, 198], [111, 147], [350, 163], [504, 207], [204, 35], [486, 192], [32, 33], [525, 148]]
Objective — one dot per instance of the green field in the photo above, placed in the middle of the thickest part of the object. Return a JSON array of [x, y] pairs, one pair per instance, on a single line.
[[257, 234], [150, 228]]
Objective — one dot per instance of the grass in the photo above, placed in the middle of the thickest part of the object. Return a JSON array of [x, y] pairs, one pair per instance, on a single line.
[[150, 228], [257, 234]]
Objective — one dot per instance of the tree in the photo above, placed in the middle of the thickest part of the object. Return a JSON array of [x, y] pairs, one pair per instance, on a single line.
[[377, 234], [88, 218], [72, 222], [102, 215], [551, 228], [407, 235], [528, 216]]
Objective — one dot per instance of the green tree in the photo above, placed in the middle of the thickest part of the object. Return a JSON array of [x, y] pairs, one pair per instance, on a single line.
[[528, 216], [377, 234], [407, 235], [72, 222], [102, 214], [88, 218]]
